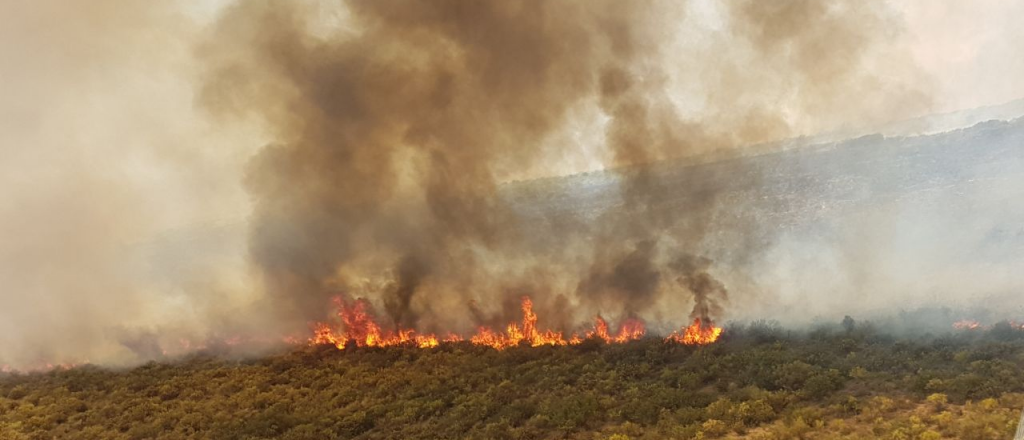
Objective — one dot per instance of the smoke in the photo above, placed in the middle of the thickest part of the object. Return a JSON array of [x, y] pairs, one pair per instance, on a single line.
[[387, 151], [709, 294], [104, 169], [395, 125]]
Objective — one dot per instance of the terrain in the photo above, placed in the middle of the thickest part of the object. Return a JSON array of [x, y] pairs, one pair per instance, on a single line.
[[856, 226], [847, 381], [943, 208]]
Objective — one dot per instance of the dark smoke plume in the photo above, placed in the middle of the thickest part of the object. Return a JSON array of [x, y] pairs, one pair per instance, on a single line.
[[709, 294], [396, 123]]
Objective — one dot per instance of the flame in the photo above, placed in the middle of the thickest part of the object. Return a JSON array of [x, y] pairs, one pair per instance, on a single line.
[[323, 335], [698, 333], [42, 367], [630, 330], [358, 327], [966, 324], [515, 335], [363, 331]]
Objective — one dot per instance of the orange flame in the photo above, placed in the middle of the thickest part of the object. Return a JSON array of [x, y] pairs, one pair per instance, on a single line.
[[363, 331], [698, 333], [515, 335], [42, 366], [630, 330], [966, 324], [358, 327]]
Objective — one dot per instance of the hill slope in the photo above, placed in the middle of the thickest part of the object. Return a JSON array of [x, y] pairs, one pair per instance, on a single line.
[[759, 382]]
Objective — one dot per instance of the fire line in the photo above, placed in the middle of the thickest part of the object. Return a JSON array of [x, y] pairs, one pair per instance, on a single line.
[[359, 328]]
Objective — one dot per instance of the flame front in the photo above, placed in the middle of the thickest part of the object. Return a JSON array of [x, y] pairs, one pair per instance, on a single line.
[[630, 330], [515, 335], [359, 328], [966, 324], [969, 324], [701, 332], [363, 331]]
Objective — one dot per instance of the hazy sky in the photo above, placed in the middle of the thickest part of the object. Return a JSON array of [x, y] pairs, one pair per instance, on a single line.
[[971, 49], [107, 90], [105, 157]]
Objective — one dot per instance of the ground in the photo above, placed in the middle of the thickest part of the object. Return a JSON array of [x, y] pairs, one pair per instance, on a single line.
[[758, 381]]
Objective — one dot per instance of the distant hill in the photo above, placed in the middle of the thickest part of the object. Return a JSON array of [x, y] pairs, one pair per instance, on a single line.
[[950, 203], [807, 181]]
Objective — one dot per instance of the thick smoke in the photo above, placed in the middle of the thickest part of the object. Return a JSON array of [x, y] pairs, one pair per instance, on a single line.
[[118, 202], [395, 124], [391, 150], [709, 294]]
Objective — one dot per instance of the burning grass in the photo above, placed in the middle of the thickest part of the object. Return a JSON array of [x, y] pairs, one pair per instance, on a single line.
[[358, 327], [756, 381]]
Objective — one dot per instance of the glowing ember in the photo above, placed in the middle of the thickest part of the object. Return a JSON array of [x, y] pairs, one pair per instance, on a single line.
[[323, 335], [698, 333]]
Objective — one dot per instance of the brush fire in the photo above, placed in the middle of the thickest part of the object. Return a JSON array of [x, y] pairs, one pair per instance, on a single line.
[[359, 328], [970, 324], [966, 324]]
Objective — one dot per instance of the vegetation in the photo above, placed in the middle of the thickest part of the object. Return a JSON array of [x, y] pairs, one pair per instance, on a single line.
[[842, 381]]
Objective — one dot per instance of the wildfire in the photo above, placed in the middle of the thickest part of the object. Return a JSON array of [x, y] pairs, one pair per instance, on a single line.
[[631, 329], [516, 334], [364, 332], [41, 367], [359, 328], [698, 333], [966, 325]]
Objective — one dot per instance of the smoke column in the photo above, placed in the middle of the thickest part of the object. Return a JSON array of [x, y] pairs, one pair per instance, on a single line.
[[395, 124], [118, 200], [186, 170]]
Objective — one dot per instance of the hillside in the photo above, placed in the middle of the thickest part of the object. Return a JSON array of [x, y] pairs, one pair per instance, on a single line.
[[902, 379], [759, 381], [852, 226], [816, 182]]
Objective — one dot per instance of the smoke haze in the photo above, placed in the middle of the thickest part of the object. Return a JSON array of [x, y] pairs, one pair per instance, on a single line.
[[179, 172], [394, 124]]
